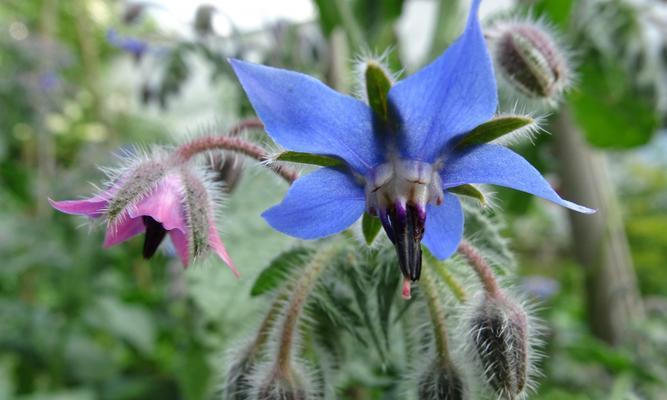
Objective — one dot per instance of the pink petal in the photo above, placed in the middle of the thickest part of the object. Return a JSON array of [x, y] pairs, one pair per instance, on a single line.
[[180, 242], [164, 204], [219, 248], [123, 230], [92, 207]]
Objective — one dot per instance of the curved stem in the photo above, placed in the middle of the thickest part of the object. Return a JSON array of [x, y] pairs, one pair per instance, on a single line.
[[454, 285], [437, 315], [229, 142], [297, 301], [481, 267]]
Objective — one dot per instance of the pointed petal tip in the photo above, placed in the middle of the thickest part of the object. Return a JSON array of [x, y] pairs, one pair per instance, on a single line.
[[578, 208], [219, 248], [93, 207]]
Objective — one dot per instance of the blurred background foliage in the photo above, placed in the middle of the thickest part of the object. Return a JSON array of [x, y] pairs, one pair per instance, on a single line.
[[82, 79]]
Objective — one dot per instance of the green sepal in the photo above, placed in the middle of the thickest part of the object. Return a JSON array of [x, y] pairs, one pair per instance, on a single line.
[[279, 269], [469, 191], [307, 158], [370, 226], [378, 84], [494, 129]]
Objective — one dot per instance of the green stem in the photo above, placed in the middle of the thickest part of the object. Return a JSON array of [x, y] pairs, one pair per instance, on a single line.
[[297, 301], [454, 285], [437, 313]]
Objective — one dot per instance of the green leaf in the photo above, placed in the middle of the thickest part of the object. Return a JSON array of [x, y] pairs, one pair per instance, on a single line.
[[370, 226], [558, 11], [494, 129], [378, 84], [307, 158], [329, 15], [278, 271], [610, 111], [469, 191]]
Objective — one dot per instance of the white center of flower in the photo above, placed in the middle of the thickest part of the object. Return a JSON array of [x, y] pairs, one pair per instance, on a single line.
[[402, 182]]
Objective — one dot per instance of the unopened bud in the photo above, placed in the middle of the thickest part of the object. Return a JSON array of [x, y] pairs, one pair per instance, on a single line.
[[198, 212], [237, 379], [283, 388], [440, 382], [228, 169], [529, 58], [499, 341]]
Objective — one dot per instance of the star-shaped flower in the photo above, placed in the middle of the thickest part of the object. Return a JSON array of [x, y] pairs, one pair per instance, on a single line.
[[401, 167]]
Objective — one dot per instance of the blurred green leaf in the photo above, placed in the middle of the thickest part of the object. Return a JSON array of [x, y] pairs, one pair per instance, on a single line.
[[612, 114], [279, 269]]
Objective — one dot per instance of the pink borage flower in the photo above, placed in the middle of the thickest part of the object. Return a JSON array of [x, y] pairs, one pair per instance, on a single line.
[[156, 201]]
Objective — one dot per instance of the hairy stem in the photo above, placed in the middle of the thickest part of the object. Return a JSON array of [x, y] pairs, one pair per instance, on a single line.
[[264, 331], [481, 267], [231, 143], [437, 314], [299, 295], [454, 285]]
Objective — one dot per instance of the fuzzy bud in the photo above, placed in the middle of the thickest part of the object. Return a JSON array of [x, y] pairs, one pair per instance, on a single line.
[[139, 182], [440, 382], [281, 387], [237, 384], [529, 58], [499, 341], [198, 212]]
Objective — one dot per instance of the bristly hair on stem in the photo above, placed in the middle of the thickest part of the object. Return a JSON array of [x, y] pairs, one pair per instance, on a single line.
[[233, 143]]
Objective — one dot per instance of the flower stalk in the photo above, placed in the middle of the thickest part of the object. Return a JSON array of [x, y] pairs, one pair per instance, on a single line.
[[437, 313], [231, 142], [302, 289], [481, 268]]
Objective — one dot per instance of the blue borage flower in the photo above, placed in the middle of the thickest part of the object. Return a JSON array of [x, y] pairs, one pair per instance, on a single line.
[[399, 169]]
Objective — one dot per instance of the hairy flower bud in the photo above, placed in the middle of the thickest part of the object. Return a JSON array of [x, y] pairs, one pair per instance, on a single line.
[[529, 57], [499, 341], [137, 183], [440, 382], [283, 387]]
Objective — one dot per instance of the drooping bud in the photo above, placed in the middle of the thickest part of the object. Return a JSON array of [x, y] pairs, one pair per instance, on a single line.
[[283, 386], [198, 212], [237, 384], [440, 382], [134, 185], [228, 169], [530, 59], [499, 341]]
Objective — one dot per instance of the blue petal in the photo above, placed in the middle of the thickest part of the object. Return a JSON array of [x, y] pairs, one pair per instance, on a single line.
[[318, 205], [444, 227], [451, 96], [498, 165], [302, 114]]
